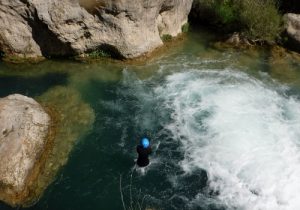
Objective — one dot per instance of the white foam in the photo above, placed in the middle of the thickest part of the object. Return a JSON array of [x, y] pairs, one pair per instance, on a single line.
[[243, 133]]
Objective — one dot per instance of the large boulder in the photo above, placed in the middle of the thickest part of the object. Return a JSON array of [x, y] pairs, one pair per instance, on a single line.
[[124, 28], [24, 127], [292, 26]]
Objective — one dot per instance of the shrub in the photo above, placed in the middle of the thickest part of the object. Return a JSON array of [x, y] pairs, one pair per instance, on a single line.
[[226, 11], [99, 54], [222, 14], [261, 19], [256, 19], [166, 37]]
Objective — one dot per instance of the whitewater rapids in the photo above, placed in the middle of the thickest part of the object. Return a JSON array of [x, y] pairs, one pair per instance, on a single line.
[[242, 132]]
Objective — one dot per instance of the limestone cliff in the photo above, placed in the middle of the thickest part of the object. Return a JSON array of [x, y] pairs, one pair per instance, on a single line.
[[124, 28]]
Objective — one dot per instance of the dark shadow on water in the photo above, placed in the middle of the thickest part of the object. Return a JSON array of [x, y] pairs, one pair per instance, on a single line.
[[31, 86]]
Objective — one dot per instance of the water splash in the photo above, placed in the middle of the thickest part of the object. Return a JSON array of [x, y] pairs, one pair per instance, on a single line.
[[243, 133]]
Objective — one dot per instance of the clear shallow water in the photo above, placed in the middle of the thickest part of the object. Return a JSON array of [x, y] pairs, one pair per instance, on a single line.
[[224, 126]]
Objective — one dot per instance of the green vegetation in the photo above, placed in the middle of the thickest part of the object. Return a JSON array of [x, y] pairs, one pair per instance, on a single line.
[[103, 51], [258, 20], [166, 37], [261, 19], [185, 27], [99, 54]]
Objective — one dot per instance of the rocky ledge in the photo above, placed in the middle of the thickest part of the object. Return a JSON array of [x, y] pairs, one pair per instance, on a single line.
[[24, 127], [122, 28]]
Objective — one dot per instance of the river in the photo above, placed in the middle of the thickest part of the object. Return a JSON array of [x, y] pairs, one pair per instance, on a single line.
[[223, 123]]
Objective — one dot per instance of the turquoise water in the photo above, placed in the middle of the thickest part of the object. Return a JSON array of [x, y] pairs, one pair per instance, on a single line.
[[222, 123]]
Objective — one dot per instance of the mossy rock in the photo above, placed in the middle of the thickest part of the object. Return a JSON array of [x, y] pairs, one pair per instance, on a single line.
[[17, 59], [71, 118]]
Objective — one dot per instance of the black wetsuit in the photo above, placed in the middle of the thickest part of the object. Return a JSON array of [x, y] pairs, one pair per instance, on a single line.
[[143, 159]]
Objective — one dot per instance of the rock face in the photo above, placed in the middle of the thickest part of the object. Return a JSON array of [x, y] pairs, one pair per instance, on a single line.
[[292, 24], [124, 28], [23, 137]]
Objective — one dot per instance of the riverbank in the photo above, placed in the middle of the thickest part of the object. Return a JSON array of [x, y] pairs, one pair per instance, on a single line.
[[92, 30]]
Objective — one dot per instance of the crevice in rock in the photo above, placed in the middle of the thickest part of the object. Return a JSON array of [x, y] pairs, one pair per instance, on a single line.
[[1, 54], [26, 3], [92, 6], [290, 43], [48, 41], [113, 51], [166, 7], [107, 50]]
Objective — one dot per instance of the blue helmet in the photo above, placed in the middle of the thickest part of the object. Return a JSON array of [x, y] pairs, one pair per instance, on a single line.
[[145, 142]]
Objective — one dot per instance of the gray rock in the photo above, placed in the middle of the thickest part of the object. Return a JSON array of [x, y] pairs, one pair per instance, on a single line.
[[23, 136], [292, 26], [125, 28], [237, 40], [15, 33]]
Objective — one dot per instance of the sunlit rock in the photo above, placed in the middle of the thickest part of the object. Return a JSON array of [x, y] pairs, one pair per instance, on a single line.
[[32, 149], [24, 126], [123, 29], [292, 26]]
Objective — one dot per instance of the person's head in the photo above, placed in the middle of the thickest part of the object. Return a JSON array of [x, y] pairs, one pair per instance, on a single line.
[[145, 142]]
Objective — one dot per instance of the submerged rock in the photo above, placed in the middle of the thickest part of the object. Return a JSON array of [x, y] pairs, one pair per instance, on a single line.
[[125, 29], [24, 127], [73, 118], [284, 65], [32, 147]]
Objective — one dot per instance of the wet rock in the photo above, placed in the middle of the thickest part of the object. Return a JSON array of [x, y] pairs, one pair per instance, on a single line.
[[16, 37], [24, 129], [125, 29], [237, 40]]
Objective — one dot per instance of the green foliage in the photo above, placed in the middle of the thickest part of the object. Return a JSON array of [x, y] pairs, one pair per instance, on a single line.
[[226, 11], [223, 14], [256, 19], [261, 19], [99, 54], [166, 37], [185, 27]]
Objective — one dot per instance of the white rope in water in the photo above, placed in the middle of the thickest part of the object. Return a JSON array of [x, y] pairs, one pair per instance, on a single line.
[[121, 192]]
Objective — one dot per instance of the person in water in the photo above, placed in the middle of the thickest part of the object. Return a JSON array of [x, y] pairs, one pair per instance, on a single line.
[[144, 150]]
